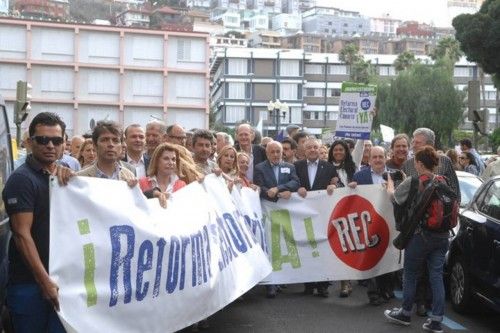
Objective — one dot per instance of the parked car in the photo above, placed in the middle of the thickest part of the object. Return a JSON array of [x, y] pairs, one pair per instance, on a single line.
[[6, 167], [468, 184], [473, 262]]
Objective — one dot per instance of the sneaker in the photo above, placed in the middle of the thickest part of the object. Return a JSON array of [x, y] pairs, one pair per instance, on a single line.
[[396, 315], [432, 326]]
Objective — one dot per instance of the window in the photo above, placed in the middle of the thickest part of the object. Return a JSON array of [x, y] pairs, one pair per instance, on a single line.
[[183, 49], [462, 72], [345, 25], [288, 91], [56, 80], [235, 114], [338, 69], [237, 66], [236, 90], [490, 204], [315, 69], [289, 68], [101, 82], [334, 92], [310, 92]]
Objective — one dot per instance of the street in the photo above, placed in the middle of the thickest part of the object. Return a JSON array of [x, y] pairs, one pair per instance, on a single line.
[[292, 311]]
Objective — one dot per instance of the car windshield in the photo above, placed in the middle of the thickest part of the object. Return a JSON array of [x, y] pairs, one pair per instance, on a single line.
[[468, 187]]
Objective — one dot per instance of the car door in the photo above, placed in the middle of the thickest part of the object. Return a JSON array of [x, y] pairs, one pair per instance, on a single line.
[[487, 241]]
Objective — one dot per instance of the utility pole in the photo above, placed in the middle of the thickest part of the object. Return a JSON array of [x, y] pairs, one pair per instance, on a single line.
[[21, 107]]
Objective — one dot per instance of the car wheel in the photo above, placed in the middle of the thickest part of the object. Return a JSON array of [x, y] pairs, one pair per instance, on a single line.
[[460, 288]]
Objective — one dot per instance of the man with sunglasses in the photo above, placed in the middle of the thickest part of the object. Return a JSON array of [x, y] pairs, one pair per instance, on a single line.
[[32, 296]]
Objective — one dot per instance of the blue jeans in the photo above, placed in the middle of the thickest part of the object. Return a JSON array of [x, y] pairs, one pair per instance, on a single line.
[[30, 312], [425, 247]]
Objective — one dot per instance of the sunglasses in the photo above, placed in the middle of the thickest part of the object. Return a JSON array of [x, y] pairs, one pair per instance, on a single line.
[[44, 140]]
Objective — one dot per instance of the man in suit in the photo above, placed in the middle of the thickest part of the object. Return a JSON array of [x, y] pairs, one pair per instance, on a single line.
[[277, 179], [315, 174], [135, 138], [245, 135], [380, 287]]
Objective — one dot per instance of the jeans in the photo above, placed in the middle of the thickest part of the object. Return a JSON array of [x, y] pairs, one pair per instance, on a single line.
[[428, 248], [30, 312]]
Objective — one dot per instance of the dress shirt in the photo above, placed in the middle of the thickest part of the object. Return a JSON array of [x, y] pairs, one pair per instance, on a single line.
[[140, 167], [312, 169], [115, 175], [377, 178]]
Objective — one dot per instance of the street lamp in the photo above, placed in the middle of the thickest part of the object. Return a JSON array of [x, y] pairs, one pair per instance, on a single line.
[[277, 111]]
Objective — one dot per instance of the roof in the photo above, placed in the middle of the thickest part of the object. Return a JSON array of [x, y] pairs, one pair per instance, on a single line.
[[166, 10], [197, 13]]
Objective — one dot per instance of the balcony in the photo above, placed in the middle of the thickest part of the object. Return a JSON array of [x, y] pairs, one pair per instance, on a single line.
[[269, 3], [234, 1]]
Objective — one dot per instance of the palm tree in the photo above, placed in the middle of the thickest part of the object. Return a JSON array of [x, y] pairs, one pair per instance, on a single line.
[[447, 48], [350, 55], [404, 61]]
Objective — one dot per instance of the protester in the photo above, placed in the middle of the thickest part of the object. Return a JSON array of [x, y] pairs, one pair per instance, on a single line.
[[468, 163], [245, 135], [323, 153], [189, 140], [187, 167], [466, 146], [265, 140], [86, 155], [176, 135], [76, 143], [380, 288], [156, 132], [425, 247], [227, 162], [135, 139], [163, 174], [425, 137], [202, 149], [340, 156], [243, 161], [315, 174], [223, 139], [300, 138], [399, 147], [67, 160], [492, 170], [291, 130], [453, 156], [107, 139], [289, 149], [32, 295], [367, 146], [276, 179]]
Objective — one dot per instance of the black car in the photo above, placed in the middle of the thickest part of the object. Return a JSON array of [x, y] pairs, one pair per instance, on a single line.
[[474, 256]]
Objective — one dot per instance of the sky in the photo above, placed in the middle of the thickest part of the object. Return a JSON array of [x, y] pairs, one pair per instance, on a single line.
[[428, 11]]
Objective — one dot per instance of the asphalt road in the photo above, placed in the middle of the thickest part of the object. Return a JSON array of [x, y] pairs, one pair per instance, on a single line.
[[292, 311]]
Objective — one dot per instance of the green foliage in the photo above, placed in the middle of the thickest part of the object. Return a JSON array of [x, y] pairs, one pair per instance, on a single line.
[[360, 71], [461, 134], [495, 138], [479, 37], [422, 96], [405, 60], [447, 48]]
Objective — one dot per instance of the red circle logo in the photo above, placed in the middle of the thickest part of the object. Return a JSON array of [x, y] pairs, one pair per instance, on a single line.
[[358, 235]]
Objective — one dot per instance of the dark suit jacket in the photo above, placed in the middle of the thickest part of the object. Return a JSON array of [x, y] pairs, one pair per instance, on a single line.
[[363, 177], [264, 177], [258, 152], [324, 174]]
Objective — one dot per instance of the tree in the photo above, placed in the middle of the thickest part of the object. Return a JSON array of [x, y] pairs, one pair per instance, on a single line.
[[404, 61], [479, 37], [422, 96], [447, 48], [360, 70]]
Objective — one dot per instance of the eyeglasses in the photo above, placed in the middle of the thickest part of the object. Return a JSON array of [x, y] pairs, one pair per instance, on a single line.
[[44, 140], [462, 158]]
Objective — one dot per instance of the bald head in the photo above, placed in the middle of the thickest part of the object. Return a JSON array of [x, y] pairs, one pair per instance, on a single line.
[[176, 134], [274, 152], [377, 159], [76, 143]]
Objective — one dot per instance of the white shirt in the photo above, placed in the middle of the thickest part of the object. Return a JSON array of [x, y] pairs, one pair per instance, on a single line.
[[312, 170], [140, 167]]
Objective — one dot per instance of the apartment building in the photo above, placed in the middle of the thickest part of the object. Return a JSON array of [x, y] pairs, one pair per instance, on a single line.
[[87, 72], [54, 9], [287, 24], [384, 25], [267, 6], [245, 80], [230, 4], [334, 21]]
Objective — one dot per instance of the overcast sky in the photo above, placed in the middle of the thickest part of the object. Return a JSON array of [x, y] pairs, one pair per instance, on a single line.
[[429, 11]]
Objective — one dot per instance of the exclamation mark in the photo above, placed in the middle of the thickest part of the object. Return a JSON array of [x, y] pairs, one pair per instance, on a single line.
[[89, 262], [310, 236]]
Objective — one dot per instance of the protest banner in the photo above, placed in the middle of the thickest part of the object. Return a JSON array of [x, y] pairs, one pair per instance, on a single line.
[[356, 110], [124, 264], [345, 236]]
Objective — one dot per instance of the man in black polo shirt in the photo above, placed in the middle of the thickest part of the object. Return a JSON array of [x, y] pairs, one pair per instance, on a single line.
[[32, 296]]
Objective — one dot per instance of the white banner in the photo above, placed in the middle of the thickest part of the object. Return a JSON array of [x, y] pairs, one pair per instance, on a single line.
[[356, 110], [123, 264], [345, 236]]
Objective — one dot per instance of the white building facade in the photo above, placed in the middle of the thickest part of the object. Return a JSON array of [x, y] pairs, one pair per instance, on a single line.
[[85, 72]]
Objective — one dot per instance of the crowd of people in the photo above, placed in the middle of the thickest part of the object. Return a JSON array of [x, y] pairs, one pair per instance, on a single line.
[[162, 159]]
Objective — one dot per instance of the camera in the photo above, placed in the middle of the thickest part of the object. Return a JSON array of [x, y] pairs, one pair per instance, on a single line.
[[396, 175]]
